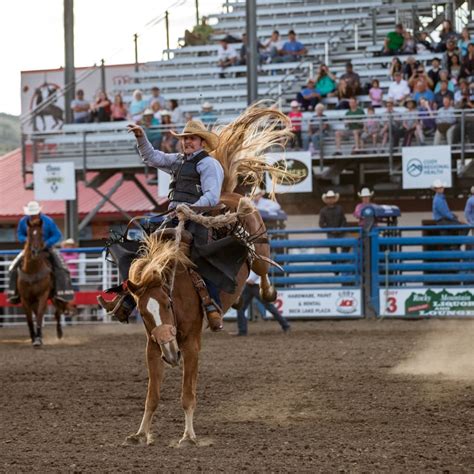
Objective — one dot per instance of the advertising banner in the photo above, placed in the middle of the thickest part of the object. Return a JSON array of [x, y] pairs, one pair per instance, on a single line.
[[54, 181], [425, 302], [423, 164], [298, 164]]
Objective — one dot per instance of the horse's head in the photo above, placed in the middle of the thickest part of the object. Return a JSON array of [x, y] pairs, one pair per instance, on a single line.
[[150, 279], [35, 236], [156, 310]]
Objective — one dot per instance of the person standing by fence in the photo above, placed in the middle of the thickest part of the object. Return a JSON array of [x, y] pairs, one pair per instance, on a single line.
[[332, 216]]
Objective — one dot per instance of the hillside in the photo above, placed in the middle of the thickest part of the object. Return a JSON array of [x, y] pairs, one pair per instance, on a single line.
[[9, 132]]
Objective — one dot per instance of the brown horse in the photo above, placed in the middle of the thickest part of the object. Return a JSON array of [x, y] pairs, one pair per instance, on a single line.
[[35, 283], [173, 317]]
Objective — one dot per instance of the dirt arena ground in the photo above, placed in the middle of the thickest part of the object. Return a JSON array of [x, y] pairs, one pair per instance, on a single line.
[[331, 396]]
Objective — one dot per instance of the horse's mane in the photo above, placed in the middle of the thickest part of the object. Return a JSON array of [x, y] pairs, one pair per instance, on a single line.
[[244, 142], [156, 262]]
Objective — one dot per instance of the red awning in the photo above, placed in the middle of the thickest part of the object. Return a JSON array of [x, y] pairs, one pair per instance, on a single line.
[[13, 195]]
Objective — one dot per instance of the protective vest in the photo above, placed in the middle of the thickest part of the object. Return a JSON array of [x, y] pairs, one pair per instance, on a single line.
[[185, 184]]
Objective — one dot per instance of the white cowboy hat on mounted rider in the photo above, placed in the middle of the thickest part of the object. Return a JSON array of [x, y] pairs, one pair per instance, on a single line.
[[196, 127], [365, 192], [330, 195], [32, 208]]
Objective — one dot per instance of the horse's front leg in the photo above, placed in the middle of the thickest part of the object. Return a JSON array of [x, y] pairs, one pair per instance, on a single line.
[[155, 376], [39, 311], [29, 320], [267, 290], [190, 353]]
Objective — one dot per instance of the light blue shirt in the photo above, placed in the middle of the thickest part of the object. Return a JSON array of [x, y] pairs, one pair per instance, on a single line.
[[441, 209], [209, 169], [469, 210]]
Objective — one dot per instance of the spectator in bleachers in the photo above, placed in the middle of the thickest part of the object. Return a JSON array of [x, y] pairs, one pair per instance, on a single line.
[[344, 93], [156, 107], [272, 46], [420, 75], [168, 141], [409, 67], [318, 128], [442, 215], [365, 196], [464, 41], [372, 127], [177, 115], [398, 90], [445, 122], [397, 131], [296, 118], [308, 97], [421, 90], [442, 93], [411, 125], [455, 70], [156, 96], [352, 78], [332, 216], [461, 96], [393, 43], [447, 33], [266, 207], [80, 108], [427, 117], [150, 124], [207, 115], [226, 56], [423, 43], [451, 50], [200, 34], [353, 127], [469, 208], [292, 49], [376, 94], [433, 73], [138, 105], [444, 76], [118, 109], [409, 43], [468, 62], [243, 51], [395, 66], [100, 110], [325, 81]]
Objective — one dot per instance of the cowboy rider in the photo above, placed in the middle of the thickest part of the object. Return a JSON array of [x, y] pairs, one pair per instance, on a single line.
[[51, 236], [196, 180]]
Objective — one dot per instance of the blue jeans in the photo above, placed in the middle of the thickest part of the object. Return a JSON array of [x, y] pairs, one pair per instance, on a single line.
[[251, 292]]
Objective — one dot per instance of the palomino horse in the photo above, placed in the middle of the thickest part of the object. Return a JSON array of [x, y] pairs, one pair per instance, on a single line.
[[173, 316], [35, 283]]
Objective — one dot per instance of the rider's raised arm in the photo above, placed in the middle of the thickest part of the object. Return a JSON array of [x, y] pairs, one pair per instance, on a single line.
[[51, 233], [22, 230], [212, 177], [155, 158]]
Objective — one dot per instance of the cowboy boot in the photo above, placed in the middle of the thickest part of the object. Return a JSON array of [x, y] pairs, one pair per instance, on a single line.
[[214, 318], [121, 306]]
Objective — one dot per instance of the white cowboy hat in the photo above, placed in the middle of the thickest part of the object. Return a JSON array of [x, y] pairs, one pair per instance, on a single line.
[[148, 112], [330, 194], [365, 192], [437, 184], [207, 105], [195, 127], [69, 242], [32, 208], [294, 103]]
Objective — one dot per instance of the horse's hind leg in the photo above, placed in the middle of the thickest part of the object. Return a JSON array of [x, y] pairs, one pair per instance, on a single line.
[[190, 353], [155, 376], [267, 290]]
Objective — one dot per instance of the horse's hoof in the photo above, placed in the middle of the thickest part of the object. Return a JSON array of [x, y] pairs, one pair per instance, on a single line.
[[269, 295], [186, 441], [137, 439], [38, 342]]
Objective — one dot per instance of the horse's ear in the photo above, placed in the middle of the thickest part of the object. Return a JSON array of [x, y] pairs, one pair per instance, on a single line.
[[132, 287]]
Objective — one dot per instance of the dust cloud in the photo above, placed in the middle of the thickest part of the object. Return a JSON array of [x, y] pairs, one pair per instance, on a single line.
[[447, 351]]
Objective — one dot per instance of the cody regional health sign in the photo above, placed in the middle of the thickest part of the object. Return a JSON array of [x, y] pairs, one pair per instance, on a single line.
[[54, 181], [425, 302], [423, 164]]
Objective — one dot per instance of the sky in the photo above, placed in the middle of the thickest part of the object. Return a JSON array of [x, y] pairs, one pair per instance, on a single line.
[[32, 36]]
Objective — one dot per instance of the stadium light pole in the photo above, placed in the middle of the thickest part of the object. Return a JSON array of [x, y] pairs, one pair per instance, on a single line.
[[252, 51], [71, 218], [197, 12]]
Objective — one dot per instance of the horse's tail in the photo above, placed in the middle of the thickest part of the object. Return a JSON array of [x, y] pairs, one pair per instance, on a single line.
[[243, 145]]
